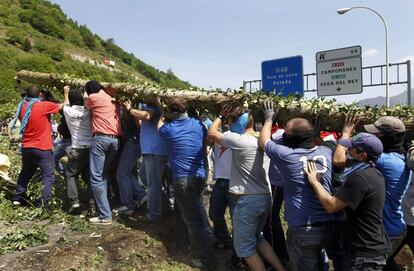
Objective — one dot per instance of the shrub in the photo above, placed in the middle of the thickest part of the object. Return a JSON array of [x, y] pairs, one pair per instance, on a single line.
[[15, 37]]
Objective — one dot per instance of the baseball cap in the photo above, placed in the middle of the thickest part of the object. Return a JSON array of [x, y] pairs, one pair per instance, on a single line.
[[365, 142], [389, 125]]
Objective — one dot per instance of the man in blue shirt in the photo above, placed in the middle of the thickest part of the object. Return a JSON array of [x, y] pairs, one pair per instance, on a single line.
[[185, 138], [154, 158], [392, 165], [310, 227]]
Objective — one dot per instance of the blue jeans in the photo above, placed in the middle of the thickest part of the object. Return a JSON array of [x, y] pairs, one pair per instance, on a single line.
[[154, 166], [305, 245], [249, 217], [102, 152], [191, 216], [32, 159], [219, 200], [131, 189], [365, 263], [59, 151]]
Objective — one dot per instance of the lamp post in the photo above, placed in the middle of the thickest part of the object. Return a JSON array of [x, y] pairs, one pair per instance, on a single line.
[[342, 11]]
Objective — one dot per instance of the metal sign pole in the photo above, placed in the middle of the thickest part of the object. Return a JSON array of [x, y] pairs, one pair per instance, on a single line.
[[408, 82]]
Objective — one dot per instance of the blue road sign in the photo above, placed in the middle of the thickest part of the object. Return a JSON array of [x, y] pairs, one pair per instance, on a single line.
[[283, 76]]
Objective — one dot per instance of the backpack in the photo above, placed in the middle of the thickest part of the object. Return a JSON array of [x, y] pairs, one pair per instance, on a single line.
[[14, 134]]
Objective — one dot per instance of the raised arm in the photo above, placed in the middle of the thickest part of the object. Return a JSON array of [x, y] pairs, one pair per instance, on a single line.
[[266, 131], [138, 114], [339, 158], [214, 132]]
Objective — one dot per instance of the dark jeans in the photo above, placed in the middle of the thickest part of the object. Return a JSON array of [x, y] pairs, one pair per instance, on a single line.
[[305, 246], [219, 200], [60, 151], [191, 216], [397, 243], [273, 231], [32, 159], [78, 163], [364, 263]]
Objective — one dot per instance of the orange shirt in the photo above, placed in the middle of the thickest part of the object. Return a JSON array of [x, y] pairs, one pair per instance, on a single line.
[[38, 133], [106, 118]]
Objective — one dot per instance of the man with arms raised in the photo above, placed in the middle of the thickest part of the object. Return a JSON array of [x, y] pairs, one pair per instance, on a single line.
[[310, 226], [250, 197]]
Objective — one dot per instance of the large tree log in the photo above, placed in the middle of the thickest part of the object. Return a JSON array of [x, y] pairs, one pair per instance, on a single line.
[[331, 115]]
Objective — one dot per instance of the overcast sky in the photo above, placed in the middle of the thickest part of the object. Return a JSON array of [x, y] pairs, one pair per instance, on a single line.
[[213, 43]]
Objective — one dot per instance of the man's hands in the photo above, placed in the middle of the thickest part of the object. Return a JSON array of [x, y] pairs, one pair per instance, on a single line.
[[311, 172], [66, 90], [127, 105], [268, 110], [351, 122], [225, 110]]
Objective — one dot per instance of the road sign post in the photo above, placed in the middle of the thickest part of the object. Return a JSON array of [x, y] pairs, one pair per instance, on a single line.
[[283, 76], [339, 71]]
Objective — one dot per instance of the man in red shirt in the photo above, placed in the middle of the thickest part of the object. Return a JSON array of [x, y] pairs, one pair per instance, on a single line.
[[37, 145]]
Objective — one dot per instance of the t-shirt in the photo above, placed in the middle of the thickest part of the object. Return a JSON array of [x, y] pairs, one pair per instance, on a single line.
[[364, 233], [274, 174], [408, 205], [302, 207], [38, 132], [79, 122], [151, 141], [248, 175], [185, 145], [397, 176], [106, 118], [222, 162]]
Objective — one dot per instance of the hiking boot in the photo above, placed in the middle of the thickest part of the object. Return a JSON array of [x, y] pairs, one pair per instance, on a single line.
[[100, 221]]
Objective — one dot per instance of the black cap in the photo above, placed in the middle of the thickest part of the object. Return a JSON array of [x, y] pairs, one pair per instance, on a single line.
[[92, 87], [75, 97]]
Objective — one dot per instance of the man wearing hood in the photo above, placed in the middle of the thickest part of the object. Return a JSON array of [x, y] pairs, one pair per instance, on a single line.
[[310, 227], [250, 198]]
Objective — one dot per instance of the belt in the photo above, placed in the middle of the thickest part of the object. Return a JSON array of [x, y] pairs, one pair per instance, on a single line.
[[319, 224], [101, 134]]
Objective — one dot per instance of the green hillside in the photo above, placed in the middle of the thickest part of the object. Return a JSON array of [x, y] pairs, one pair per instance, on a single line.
[[36, 35]]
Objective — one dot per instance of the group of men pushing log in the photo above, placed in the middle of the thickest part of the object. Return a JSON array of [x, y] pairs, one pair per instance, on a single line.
[[344, 199]]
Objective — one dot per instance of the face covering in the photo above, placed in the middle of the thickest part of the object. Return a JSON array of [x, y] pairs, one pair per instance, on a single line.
[[172, 116], [295, 141], [393, 143], [239, 126]]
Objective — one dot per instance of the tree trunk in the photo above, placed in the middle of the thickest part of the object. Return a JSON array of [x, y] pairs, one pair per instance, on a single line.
[[330, 115]]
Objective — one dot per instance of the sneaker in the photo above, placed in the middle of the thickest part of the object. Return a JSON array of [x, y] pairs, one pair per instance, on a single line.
[[100, 221], [142, 202], [120, 210], [16, 204], [74, 208], [196, 263]]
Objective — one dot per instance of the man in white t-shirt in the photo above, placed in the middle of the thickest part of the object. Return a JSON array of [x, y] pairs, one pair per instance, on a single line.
[[78, 119], [219, 199]]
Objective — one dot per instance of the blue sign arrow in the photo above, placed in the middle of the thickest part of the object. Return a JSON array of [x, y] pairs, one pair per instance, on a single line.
[[283, 76]]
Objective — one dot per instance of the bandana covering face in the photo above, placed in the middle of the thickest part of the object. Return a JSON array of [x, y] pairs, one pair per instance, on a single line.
[[239, 126], [298, 140]]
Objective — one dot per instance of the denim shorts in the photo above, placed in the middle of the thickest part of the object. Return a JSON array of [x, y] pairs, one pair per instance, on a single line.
[[250, 213]]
